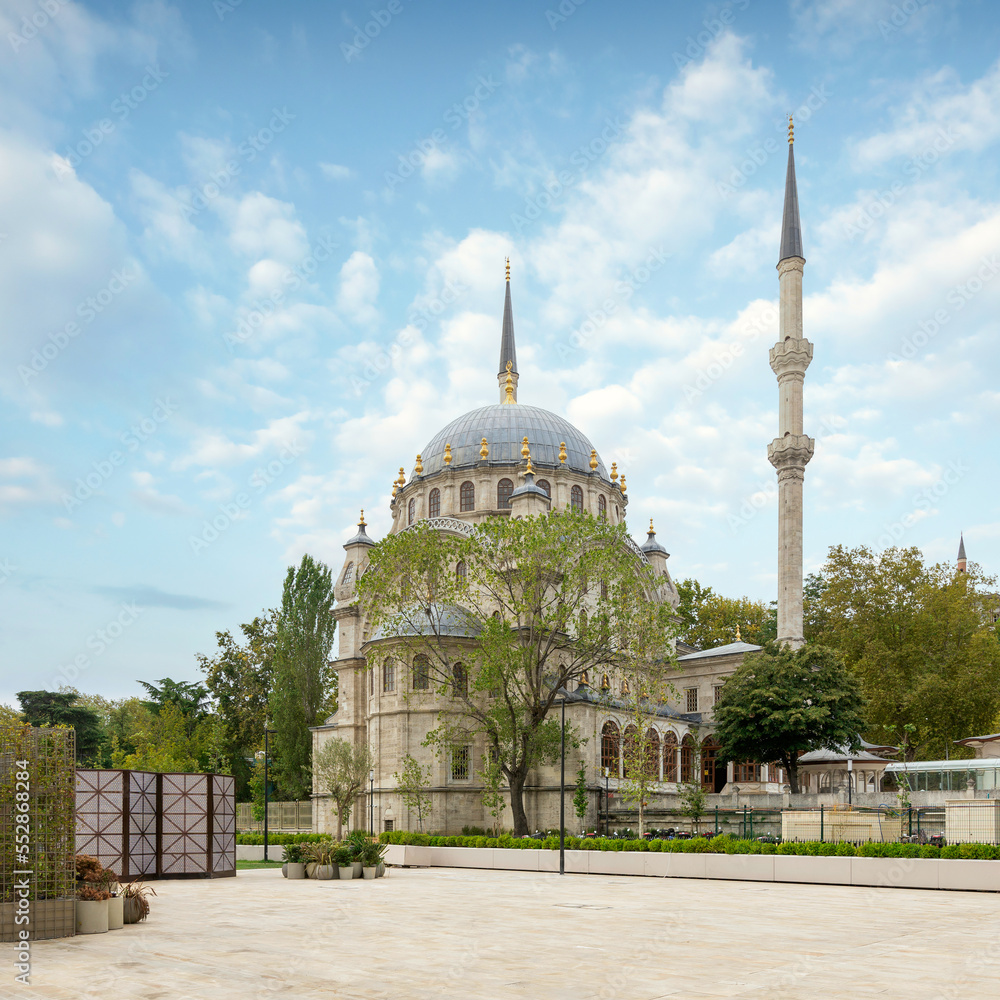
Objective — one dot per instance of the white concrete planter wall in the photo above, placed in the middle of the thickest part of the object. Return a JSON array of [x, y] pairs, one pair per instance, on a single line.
[[905, 873]]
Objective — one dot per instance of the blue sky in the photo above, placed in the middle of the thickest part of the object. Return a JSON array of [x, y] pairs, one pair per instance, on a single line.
[[242, 254]]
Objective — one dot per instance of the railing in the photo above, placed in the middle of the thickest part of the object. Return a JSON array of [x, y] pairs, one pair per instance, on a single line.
[[286, 816]]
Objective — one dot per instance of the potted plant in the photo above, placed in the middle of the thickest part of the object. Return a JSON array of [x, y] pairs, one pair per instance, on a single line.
[[91, 910], [343, 858], [324, 860], [135, 906], [116, 902], [356, 840], [293, 858], [371, 854]]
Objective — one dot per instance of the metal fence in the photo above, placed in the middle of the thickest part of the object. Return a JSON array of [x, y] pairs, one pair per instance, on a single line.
[[287, 816], [37, 869], [142, 824]]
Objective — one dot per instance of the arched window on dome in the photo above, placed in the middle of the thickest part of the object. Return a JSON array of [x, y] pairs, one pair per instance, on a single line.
[[504, 489], [602, 507], [576, 499], [434, 503], [348, 576], [411, 511], [467, 496], [543, 484], [421, 672], [609, 748], [461, 571]]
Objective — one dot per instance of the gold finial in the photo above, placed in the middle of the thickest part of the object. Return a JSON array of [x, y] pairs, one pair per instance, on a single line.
[[395, 489], [529, 471], [623, 482], [525, 450], [614, 472], [651, 531], [402, 477], [593, 459], [362, 522], [791, 130], [509, 398], [508, 274], [419, 467], [739, 638], [562, 452], [484, 450], [447, 454]]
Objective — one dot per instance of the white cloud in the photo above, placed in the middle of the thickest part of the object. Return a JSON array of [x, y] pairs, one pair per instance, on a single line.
[[214, 448], [336, 172], [359, 285]]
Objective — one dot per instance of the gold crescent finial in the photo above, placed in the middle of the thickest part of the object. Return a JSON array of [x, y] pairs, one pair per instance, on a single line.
[[739, 638], [447, 454], [362, 522], [484, 450], [791, 130], [562, 452], [623, 482], [593, 459], [509, 388], [508, 268], [651, 531]]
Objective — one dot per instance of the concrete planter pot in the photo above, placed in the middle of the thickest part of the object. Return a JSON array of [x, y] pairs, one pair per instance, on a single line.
[[116, 912], [357, 866], [284, 870], [379, 870], [311, 867], [347, 872], [91, 916], [369, 872], [132, 911], [323, 872], [296, 869]]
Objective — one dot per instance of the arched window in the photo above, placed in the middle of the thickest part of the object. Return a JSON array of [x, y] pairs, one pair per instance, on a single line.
[[670, 757], [434, 503], [609, 748], [467, 496], [543, 484], [504, 489], [460, 570], [631, 750], [687, 760], [348, 574], [459, 680], [651, 754], [576, 499], [411, 511], [602, 507], [388, 676], [709, 770], [421, 672]]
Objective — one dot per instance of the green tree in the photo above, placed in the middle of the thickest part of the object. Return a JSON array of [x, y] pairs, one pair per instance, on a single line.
[[781, 702], [709, 619], [341, 768], [190, 698], [59, 708], [543, 600], [640, 747], [581, 800], [121, 720], [920, 639], [302, 674], [166, 744], [412, 787], [494, 801], [692, 803]]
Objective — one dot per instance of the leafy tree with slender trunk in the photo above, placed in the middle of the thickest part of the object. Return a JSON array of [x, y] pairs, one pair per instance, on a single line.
[[692, 804], [709, 619], [581, 801], [783, 702], [412, 787], [60, 708], [302, 674], [542, 602], [341, 768], [493, 798], [190, 698]]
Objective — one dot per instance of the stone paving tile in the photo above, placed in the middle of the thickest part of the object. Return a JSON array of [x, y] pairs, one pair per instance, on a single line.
[[437, 934]]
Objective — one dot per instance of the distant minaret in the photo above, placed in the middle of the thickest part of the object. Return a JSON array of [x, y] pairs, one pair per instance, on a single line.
[[962, 563], [508, 354], [791, 450]]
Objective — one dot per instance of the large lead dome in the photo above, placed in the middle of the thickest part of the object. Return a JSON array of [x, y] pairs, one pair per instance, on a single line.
[[504, 427]]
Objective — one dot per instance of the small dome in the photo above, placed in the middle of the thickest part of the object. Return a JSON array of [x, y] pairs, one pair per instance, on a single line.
[[505, 426], [436, 619]]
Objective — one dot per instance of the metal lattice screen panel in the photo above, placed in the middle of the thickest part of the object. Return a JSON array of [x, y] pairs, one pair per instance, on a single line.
[[37, 798], [149, 825]]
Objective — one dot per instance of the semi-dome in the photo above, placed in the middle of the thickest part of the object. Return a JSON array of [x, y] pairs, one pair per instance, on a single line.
[[505, 426]]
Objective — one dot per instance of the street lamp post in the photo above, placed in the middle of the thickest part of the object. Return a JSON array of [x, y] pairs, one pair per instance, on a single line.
[[371, 803], [850, 774], [267, 732]]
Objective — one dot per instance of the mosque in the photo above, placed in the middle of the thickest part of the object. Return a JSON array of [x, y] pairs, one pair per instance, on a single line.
[[475, 469]]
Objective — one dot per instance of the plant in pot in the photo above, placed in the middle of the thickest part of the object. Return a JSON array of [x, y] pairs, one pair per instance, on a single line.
[[356, 840], [371, 855], [343, 858], [293, 859], [109, 883], [91, 910], [136, 901], [324, 860]]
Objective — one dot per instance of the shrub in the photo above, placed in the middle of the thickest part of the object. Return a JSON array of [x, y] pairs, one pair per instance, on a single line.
[[279, 839]]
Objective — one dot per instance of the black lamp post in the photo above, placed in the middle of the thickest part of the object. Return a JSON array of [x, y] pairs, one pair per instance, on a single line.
[[371, 802], [267, 732]]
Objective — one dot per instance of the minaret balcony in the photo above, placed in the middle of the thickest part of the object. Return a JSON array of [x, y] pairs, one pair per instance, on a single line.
[[792, 451], [791, 357]]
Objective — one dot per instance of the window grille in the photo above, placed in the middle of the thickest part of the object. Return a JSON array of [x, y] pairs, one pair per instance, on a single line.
[[421, 672], [691, 700], [602, 508], [576, 499], [411, 510], [388, 676], [461, 757], [467, 496], [433, 507], [504, 489], [543, 484]]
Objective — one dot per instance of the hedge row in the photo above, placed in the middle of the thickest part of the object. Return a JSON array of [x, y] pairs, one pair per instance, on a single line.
[[722, 844], [281, 838]]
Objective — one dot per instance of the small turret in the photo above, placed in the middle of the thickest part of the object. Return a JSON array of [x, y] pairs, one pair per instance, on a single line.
[[962, 562], [528, 499], [357, 553]]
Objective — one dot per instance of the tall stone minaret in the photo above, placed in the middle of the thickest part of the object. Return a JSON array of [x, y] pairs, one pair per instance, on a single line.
[[791, 450], [962, 564], [508, 353]]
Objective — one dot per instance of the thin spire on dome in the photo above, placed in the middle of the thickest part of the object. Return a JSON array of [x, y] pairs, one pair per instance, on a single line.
[[508, 351], [791, 228]]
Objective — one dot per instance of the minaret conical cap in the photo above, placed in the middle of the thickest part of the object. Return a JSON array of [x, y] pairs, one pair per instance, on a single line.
[[791, 228], [508, 351], [961, 546]]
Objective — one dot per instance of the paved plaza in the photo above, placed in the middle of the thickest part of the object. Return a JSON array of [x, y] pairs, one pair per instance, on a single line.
[[432, 933]]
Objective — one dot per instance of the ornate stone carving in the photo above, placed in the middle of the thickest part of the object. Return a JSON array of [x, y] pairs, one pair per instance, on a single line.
[[792, 451], [791, 356]]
